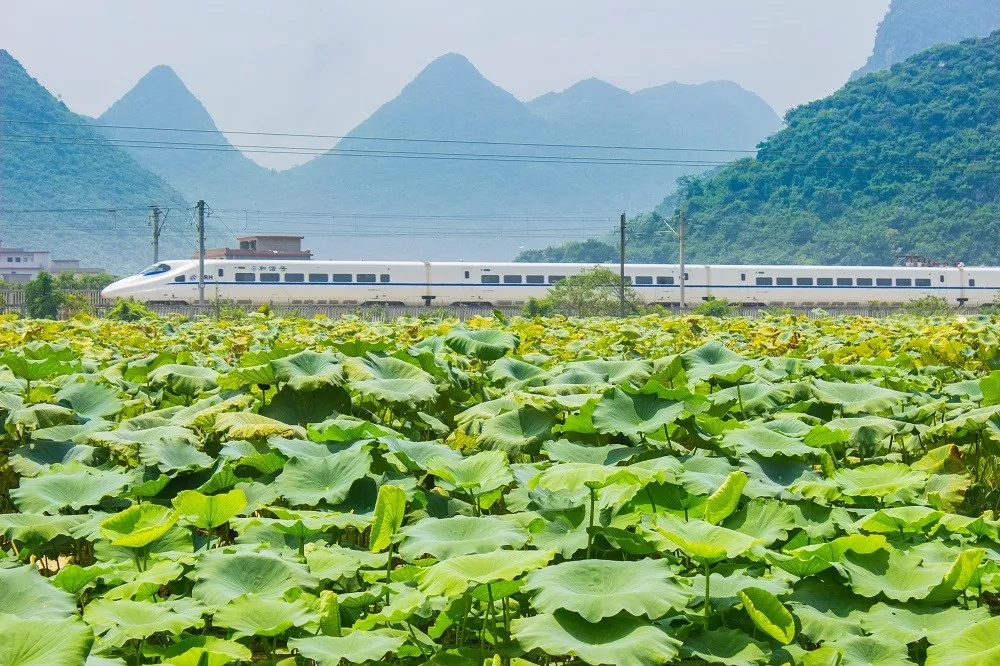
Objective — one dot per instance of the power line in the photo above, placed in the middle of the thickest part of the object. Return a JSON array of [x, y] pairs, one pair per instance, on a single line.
[[383, 138]]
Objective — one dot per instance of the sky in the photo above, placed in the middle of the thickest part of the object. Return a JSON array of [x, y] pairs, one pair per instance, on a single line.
[[323, 66]]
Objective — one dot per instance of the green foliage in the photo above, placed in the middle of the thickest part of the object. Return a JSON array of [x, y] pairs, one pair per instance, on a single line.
[[927, 306], [41, 299], [537, 307], [130, 310], [591, 293], [715, 307]]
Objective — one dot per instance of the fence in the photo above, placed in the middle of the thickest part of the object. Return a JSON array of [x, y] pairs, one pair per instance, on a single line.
[[13, 302]]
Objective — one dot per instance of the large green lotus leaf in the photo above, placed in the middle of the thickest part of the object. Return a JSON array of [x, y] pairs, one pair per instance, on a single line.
[[356, 647], [48, 493], [960, 574], [40, 417], [570, 477], [174, 456], [721, 503], [121, 620], [454, 576], [413, 456], [303, 448], [459, 535], [34, 369], [309, 370], [90, 400], [204, 651], [759, 397], [138, 525], [514, 374], [256, 616], [223, 576], [299, 407], [870, 651], [880, 481], [563, 450], [144, 585], [335, 562], [974, 646], [245, 376], [827, 611], [600, 373], [859, 398], [702, 475], [247, 425], [203, 413], [899, 520], [814, 558], [634, 414], [725, 646], [34, 458], [485, 345], [390, 508], [25, 594], [724, 592], [908, 623], [70, 432], [209, 511], [384, 378], [713, 360], [480, 473], [765, 519], [514, 431], [347, 429], [705, 542], [897, 574], [865, 431], [617, 641], [186, 380], [768, 614], [307, 482], [596, 589], [37, 528], [74, 579], [764, 441], [43, 641], [177, 540]]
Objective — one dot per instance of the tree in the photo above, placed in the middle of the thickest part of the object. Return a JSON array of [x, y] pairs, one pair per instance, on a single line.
[[41, 298], [592, 293]]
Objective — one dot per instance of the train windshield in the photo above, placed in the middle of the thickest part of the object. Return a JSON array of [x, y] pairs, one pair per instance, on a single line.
[[156, 269]]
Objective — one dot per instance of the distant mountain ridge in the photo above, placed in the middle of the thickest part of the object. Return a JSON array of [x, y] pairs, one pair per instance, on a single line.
[[404, 184], [911, 26], [65, 188]]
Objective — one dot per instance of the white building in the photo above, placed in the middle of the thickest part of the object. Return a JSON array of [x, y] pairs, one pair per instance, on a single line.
[[20, 265]]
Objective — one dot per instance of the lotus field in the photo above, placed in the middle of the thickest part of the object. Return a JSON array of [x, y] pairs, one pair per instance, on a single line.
[[628, 492]]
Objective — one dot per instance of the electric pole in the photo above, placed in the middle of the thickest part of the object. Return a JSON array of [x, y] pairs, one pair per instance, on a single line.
[[200, 206], [158, 225], [680, 236], [621, 285]]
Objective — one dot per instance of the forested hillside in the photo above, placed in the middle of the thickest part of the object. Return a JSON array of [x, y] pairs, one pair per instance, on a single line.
[[911, 26], [67, 189], [905, 161]]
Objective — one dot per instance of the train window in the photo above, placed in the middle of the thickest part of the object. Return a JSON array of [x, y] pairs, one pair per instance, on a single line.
[[883, 282], [366, 277], [824, 282], [845, 282], [644, 279], [535, 279], [686, 277], [295, 277], [764, 282], [383, 277], [269, 277], [220, 272], [804, 282], [342, 277], [664, 279], [904, 282], [556, 278], [864, 282], [155, 269], [941, 278], [489, 279], [923, 282], [972, 282], [179, 278], [466, 275], [320, 277], [512, 279], [743, 277], [784, 282], [246, 277]]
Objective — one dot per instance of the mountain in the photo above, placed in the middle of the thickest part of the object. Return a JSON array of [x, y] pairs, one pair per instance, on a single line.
[[535, 190], [904, 161], [66, 188], [911, 26], [216, 171]]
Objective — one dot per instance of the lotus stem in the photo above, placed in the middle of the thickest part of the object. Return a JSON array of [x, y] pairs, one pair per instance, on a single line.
[[590, 532], [708, 590]]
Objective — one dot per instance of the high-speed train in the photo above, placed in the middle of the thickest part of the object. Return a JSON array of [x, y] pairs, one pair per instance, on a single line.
[[499, 284]]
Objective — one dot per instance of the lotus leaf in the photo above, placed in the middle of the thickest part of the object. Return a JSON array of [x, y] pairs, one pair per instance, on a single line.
[[43, 641], [454, 576], [459, 535]]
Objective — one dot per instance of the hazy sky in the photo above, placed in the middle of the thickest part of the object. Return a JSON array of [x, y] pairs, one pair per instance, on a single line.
[[322, 66]]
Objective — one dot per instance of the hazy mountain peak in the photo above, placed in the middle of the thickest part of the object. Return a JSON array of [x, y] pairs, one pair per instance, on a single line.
[[161, 99], [450, 72]]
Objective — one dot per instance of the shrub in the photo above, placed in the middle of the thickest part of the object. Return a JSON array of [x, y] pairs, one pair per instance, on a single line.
[[76, 305], [593, 293], [927, 306], [41, 299], [537, 307], [715, 307], [130, 310]]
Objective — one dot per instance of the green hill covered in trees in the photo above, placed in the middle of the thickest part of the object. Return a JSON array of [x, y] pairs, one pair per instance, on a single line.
[[904, 161]]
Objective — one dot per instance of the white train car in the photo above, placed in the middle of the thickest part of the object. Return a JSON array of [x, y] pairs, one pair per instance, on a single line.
[[482, 283]]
